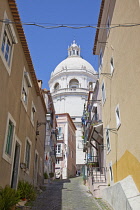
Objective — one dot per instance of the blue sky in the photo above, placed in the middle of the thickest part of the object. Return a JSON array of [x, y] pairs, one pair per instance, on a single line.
[[48, 47]]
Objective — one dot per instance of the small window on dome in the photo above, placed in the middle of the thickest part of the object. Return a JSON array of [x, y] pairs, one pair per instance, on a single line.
[[74, 83], [77, 52], [73, 52], [56, 86]]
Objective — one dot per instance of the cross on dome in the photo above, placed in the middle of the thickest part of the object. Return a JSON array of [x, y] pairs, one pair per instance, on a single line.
[[74, 50]]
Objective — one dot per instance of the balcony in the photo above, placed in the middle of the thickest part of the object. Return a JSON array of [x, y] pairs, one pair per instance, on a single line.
[[98, 174], [59, 155], [60, 136]]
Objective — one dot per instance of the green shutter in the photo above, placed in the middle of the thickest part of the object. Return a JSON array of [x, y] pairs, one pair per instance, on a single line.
[[9, 138]]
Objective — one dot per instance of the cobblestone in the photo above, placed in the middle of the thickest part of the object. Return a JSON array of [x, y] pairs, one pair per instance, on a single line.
[[67, 195]]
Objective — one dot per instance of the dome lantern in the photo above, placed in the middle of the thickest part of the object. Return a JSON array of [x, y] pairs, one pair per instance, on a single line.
[[74, 50]]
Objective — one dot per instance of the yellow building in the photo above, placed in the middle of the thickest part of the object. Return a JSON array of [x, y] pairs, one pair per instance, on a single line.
[[117, 44], [22, 105]]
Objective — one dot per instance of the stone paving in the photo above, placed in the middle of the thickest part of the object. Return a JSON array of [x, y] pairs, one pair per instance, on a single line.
[[68, 195]]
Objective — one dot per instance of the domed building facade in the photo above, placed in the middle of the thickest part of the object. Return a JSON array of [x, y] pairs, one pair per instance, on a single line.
[[69, 84]]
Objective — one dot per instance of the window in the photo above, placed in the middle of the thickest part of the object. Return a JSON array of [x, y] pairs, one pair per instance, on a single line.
[[56, 86], [90, 85], [110, 171], [27, 154], [8, 39], [33, 111], [103, 93], [112, 65], [60, 134], [100, 60], [108, 141], [9, 139], [6, 47], [108, 26], [26, 84], [57, 161], [58, 149], [74, 83], [118, 119]]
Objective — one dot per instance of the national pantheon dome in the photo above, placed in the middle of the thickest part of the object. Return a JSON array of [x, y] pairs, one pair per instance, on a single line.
[[70, 83], [73, 67]]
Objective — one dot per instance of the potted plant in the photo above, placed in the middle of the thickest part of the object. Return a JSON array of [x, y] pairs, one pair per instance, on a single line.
[[51, 175], [45, 178], [27, 190], [8, 198]]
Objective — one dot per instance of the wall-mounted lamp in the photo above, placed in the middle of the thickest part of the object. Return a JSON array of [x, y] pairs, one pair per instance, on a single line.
[[23, 165]]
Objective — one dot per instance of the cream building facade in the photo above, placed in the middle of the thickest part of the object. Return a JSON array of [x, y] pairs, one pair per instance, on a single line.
[[21, 107], [69, 86], [118, 48]]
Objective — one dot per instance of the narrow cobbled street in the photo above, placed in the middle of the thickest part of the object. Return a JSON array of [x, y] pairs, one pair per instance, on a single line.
[[68, 195]]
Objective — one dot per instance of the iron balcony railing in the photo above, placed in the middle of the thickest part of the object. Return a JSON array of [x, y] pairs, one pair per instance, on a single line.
[[98, 174], [60, 136], [59, 154], [92, 159]]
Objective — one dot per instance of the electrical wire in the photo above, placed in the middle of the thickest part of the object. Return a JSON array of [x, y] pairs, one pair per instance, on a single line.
[[71, 26]]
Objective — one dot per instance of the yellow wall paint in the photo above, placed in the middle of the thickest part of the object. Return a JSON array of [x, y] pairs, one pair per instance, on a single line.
[[127, 165]]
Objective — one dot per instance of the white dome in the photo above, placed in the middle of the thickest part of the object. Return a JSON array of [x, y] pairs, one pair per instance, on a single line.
[[76, 63], [73, 62]]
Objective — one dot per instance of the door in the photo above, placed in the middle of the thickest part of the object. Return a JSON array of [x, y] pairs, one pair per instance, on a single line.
[[15, 166]]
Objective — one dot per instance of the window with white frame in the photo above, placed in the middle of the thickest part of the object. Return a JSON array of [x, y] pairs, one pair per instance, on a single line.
[[26, 84], [103, 93], [60, 134], [27, 153], [58, 149], [33, 111], [8, 39], [111, 171], [112, 65], [108, 140], [9, 139], [118, 118]]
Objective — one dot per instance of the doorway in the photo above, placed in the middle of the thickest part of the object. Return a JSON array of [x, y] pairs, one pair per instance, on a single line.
[[15, 166]]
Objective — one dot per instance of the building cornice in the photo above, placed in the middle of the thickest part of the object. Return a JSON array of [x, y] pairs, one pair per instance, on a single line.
[[99, 23]]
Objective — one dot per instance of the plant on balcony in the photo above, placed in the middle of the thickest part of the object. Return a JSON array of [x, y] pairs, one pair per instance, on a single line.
[[8, 198], [93, 164]]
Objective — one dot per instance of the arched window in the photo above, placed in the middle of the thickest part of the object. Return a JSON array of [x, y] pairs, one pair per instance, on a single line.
[[74, 83], [90, 85], [56, 86]]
